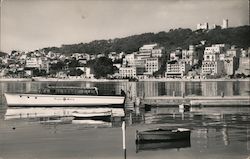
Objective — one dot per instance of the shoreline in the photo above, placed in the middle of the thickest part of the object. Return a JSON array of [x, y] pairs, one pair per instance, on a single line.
[[44, 79]]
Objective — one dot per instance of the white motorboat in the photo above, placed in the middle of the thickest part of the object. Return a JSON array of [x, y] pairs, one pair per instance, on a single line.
[[64, 97]]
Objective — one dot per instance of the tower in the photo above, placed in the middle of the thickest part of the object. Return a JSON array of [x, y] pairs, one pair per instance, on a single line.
[[225, 24]]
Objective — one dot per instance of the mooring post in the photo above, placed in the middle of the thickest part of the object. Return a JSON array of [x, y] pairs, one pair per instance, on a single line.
[[124, 139]]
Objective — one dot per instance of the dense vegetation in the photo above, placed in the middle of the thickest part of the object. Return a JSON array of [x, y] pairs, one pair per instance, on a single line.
[[238, 36], [2, 54]]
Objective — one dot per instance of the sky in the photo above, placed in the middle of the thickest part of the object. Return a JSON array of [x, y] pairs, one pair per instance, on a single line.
[[33, 24]]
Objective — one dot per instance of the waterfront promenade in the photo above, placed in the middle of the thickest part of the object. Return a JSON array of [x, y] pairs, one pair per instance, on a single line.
[[49, 79]]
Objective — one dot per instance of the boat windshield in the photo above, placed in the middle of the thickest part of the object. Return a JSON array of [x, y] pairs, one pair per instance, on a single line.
[[69, 91]]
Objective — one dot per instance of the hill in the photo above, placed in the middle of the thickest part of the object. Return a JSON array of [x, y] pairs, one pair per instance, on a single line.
[[238, 36], [3, 54]]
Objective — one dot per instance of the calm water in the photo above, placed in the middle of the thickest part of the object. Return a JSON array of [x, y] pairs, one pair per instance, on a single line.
[[217, 132]]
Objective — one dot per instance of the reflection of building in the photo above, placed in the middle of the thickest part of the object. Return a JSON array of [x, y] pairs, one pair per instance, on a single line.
[[173, 88], [151, 89], [209, 88], [224, 132], [132, 91]]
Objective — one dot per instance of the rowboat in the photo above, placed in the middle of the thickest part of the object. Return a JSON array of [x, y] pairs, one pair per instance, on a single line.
[[55, 96], [161, 134], [104, 116]]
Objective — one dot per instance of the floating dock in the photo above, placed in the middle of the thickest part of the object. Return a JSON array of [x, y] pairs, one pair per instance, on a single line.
[[197, 100]]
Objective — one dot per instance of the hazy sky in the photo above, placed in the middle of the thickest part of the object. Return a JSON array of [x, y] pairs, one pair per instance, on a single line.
[[34, 24]]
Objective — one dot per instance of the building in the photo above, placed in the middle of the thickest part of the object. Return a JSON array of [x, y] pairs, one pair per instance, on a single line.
[[177, 69], [203, 26], [150, 50], [244, 68], [233, 51], [129, 59], [176, 55], [230, 65], [113, 56], [224, 24], [190, 56], [40, 63], [130, 72], [212, 65], [152, 65], [158, 51]]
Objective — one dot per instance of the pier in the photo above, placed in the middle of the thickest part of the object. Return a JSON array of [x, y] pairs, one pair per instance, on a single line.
[[197, 100]]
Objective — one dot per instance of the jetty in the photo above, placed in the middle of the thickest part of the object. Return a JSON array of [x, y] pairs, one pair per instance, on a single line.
[[197, 100]]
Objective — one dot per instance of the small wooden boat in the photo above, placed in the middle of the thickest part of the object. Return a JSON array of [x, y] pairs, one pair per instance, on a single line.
[[104, 116], [161, 135]]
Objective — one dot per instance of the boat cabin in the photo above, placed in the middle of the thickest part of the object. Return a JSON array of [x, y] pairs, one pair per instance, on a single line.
[[70, 91]]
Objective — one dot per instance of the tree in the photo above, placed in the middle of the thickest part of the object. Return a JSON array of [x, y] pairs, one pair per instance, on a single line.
[[75, 72], [102, 67]]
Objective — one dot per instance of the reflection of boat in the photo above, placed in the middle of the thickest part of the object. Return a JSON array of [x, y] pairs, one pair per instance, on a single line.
[[160, 134], [37, 112], [64, 97], [105, 115], [92, 123], [163, 145]]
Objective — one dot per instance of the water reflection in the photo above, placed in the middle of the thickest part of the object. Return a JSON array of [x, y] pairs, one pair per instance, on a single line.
[[143, 89], [163, 145]]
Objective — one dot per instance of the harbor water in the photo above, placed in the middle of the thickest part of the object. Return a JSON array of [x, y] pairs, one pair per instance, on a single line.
[[216, 132]]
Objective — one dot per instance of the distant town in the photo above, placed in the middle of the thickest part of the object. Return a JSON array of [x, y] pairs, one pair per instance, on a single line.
[[150, 61]]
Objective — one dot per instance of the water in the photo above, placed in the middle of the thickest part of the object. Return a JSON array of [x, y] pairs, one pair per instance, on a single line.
[[216, 132]]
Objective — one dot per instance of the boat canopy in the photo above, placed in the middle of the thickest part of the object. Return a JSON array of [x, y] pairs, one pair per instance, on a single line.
[[64, 90]]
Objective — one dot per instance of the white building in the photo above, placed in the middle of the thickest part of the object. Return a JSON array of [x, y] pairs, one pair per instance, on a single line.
[[190, 56], [150, 50], [176, 55], [152, 65], [230, 65], [130, 72], [130, 59], [212, 64], [203, 26], [40, 63], [233, 51], [212, 67], [177, 69], [224, 24]]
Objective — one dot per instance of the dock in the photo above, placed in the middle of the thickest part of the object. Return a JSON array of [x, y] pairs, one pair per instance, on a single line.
[[197, 100]]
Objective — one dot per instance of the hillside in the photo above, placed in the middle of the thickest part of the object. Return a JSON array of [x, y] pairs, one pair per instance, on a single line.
[[2, 54], [238, 36]]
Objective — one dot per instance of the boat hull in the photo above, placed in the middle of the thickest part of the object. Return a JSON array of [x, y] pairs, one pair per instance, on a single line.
[[43, 100], [162, 135]]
